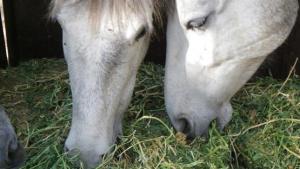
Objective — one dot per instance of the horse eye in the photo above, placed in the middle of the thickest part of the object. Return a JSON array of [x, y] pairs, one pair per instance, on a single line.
[[198, 23], [141, 33]]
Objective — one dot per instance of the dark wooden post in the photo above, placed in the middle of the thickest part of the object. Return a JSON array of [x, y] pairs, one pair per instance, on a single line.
[[36, 36], [292, 51], [287, 54]]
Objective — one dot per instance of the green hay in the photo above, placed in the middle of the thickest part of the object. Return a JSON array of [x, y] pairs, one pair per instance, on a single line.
[[264, 132]]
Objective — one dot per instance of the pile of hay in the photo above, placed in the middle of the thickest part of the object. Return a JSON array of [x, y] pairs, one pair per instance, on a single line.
[[264, 132]]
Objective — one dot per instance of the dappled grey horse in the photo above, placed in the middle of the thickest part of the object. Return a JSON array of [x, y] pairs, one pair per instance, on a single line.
[[104, 44], [11, 152], [214, 47]]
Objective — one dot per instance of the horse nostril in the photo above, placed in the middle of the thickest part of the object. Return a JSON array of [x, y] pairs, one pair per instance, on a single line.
[[186, 126], [66, 149]]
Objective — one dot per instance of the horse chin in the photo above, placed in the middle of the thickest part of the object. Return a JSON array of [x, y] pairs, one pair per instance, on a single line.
[[224, 116], [88, 147], [87, 160], [89, 157]]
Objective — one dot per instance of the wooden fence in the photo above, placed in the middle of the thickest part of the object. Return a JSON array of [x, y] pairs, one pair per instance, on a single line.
[[32, 35]]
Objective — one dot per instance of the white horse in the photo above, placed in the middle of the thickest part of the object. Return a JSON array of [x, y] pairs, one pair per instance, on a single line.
[[214, 47], [104, 43]]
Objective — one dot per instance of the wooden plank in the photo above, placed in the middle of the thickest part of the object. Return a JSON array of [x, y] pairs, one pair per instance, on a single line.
[[157, 48], [36, 35], [281, 61], [290, 50], [32, 35]]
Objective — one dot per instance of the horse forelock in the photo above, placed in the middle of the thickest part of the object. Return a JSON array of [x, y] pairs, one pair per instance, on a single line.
[[148, 9]]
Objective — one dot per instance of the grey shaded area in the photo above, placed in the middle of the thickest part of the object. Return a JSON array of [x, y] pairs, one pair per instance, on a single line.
[[11, 151]]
